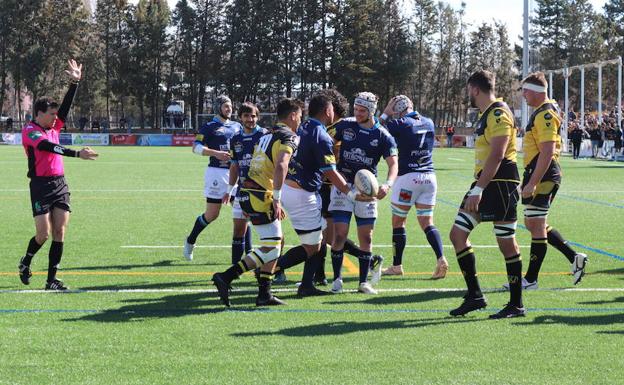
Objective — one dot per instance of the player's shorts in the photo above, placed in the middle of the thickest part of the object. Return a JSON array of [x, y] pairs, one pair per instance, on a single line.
[[304, 210], [365, 212], [237, 211], [47, 193], [325, 193], [546, 189], [215, 183], [415, 188], [499, 201], [269, 230], [256, 203]]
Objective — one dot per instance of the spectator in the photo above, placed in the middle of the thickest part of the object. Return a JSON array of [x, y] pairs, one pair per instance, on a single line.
[[9, 124], [577, 138], [450, 131], [95, 125], [82, 123], [122, 123], [595, 136], [618, 143]]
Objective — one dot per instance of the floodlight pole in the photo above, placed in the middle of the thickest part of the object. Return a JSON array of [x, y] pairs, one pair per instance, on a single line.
[[600, 93], [619, 92], [566, 76], [550, 85], [582, 97], [525, 60]]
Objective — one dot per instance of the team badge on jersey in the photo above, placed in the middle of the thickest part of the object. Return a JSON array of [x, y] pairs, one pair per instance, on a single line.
[[34, 135], [348, 135]]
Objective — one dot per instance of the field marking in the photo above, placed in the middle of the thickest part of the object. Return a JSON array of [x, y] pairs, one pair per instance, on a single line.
[[288, 246], [353, 271], [457, 159], [294, 289], [350, 266]]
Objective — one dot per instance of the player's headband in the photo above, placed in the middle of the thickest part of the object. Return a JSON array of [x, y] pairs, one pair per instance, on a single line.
[[534, 87]]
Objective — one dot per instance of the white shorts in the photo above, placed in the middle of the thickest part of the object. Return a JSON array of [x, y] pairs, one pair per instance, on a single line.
[[304, 210], [340, 202], [216, 182], [415, 187], [237, 212]]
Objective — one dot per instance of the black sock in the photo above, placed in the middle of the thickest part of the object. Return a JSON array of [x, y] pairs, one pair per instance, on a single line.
[[337, 257], [32, 249], [309, 268], [293, 257], [320, 268], [467, 264], [200, 225], [556, 240], [514, 277], [433, 236], [264, 284], [235, 271], [351, 249], [55, 255], [365, 261], [248, 245], [399, 239], [538, 252], [238, 245]]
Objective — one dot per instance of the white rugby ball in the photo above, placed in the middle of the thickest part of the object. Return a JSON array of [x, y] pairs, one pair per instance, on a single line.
[[366, 183]]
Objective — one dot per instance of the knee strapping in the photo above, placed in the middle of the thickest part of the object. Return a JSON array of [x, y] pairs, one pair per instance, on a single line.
[[465, 222], [535, 212], [424, 212], [507, 230], [399, 212]]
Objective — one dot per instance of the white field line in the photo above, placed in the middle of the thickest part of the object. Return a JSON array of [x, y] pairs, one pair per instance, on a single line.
[[294, 289], [288, 246]]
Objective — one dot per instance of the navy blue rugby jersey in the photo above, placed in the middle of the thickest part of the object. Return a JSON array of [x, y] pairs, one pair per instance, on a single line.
[[242, 147], [216, 135], [415, 136], [313, 156], [362, 148]]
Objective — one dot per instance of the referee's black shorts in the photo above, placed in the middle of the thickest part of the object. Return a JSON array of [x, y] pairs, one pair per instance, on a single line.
[[499, 201], [47, 193]]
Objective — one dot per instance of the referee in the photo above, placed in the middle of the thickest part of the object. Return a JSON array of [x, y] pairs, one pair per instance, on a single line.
[[49, 193]]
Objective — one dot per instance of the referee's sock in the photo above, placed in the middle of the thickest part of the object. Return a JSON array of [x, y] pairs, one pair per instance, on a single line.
[[200, 225], [56, 253], [32, 249]]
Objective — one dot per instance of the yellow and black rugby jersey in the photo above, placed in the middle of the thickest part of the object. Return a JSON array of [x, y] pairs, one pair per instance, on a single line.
[[279, 139], [543, 126], [496, 120]]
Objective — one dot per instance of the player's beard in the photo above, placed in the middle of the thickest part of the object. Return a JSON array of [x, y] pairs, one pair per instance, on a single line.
[[473, 102]]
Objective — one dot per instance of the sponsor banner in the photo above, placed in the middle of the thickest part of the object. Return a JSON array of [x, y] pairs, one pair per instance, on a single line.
[[183, 139], [65, 139], [123, 140], [90, 139], [154, 140], [11, 138]]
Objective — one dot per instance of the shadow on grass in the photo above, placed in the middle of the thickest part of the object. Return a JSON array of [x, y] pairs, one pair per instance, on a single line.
[[400, 299], [618, 271], [197, 284], [172, 306], [167, 263], [614, 300], [592, 320], [348, 327]]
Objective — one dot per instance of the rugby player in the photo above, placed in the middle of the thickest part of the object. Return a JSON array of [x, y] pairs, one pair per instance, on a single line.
[[542, 178], [363, 142], [493, 197], [259, 197], [416, 184], [241, 150], [313, 160], [213, 140]]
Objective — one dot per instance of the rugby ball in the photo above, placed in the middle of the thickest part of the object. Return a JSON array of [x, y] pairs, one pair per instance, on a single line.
[[366, 183]]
